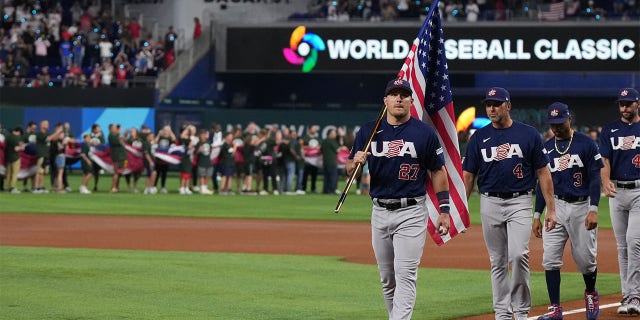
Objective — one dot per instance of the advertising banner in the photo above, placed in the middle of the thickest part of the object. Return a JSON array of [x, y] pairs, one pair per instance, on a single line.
[[381, 48]]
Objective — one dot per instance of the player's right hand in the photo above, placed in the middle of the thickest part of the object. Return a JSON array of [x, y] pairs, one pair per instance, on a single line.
[[361, 157], [609, 189], [537, 228]]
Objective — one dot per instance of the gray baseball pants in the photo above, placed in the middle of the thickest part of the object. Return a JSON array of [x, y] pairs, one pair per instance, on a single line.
[[398, 241], [506, 226], [571, 217], [625, 218]]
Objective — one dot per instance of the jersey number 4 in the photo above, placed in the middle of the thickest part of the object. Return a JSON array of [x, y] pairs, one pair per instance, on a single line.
[[517, 171], [636, 161], [408, 171]]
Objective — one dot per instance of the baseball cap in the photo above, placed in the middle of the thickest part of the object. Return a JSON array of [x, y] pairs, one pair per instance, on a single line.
[[497, 94], [557, 113], [628, 94], [398, 84]]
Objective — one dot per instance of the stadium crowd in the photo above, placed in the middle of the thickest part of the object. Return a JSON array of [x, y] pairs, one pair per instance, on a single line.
[[471, 10], [251, 160], [270, 160], [76, 43]]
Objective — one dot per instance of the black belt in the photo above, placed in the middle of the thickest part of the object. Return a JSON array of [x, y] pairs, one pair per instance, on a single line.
[[626, 185], [572, 199], [396, 204], [506, 195]]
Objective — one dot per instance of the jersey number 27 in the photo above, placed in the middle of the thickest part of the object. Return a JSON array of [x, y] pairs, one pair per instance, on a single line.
[[408, 171]]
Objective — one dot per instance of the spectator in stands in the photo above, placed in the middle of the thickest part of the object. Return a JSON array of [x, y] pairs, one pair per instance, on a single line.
[[106, 73], [54, 19], [66, 53], [74, 77], [105, 47], [389, 12], [96, 76], [135, 32], [77, 50], [170, 39], [140, 64], [197, 29], [21, 70], [41, 45], [123, 72], [472, 11], [7, 71], [43, 79], [28, 37]]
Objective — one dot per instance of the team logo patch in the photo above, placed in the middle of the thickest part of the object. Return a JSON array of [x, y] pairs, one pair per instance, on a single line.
[[394, 148], [624, 93], [554, 112], [492, 93]]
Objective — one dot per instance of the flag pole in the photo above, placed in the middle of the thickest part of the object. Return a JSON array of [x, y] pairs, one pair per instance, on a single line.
[[353, 175]]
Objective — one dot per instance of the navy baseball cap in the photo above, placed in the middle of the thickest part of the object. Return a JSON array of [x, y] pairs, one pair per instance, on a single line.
[[628, 94], [497, 94], [557, 113], [398, 84]]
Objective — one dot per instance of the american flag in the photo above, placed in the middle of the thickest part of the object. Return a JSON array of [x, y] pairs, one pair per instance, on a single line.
[[426, 69], [551, 11]]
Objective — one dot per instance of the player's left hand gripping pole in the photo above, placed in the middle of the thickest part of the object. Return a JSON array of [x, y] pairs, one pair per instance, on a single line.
[[353, 175]]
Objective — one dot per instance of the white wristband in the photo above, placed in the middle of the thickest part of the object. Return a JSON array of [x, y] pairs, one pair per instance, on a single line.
[[536, 215], [593, 208]]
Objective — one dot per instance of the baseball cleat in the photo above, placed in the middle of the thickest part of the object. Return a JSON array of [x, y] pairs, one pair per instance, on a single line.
[[622, 309], [555, 313], [633, 306], [592, 304]]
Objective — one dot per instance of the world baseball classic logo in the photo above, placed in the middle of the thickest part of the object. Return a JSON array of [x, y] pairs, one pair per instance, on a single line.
[[303, 48]]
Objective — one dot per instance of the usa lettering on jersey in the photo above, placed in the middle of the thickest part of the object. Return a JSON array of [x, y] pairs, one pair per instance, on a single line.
[[565, 162], [395, 148], [625, 143], [501, 152]]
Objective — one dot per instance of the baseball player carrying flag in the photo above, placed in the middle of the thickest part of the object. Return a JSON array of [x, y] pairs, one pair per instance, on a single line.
[[409, 161]]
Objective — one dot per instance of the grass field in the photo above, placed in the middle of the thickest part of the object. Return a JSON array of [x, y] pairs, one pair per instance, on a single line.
[[47, 283], [43, 283]]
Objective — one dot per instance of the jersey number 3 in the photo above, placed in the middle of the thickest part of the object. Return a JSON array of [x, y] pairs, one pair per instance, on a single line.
[[408, 171]]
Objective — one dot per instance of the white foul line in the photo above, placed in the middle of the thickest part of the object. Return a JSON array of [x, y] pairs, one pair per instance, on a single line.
[[564, 313]]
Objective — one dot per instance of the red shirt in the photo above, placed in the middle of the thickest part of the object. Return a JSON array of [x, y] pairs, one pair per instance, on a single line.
[[197, 31], [134, 29]]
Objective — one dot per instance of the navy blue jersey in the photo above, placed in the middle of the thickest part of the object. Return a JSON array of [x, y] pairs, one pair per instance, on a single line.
[[575, 172], [400, 158], [620, 143], [505, 160]]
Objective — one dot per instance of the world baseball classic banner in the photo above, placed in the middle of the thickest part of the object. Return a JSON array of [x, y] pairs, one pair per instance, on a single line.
[[380, 48]]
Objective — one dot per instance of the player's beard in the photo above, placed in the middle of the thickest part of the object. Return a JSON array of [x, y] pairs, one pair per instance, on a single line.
[[629, 116]]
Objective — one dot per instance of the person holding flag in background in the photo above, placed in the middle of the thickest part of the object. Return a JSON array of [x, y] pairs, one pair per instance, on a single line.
[[415, 168]]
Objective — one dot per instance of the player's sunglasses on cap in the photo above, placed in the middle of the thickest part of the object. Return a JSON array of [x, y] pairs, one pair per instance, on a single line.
[[497, 94], [557, 113], [628, 94], [398, 84]]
